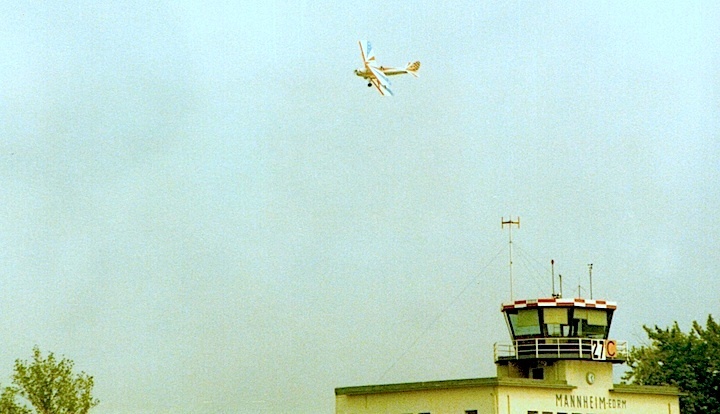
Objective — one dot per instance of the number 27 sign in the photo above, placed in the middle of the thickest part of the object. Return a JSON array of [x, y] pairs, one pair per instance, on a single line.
[[602, 349]]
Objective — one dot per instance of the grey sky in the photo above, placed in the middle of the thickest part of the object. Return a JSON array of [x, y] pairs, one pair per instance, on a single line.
[[206, 210]]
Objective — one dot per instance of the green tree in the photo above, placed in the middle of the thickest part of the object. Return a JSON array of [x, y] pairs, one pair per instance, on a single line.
[[49, 386], [689, 361]]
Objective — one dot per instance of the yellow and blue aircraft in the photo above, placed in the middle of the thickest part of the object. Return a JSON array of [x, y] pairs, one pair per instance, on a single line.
[[378, 75]]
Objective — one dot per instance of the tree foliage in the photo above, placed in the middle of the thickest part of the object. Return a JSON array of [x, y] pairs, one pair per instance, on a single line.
[[689, 361], [49, 386]]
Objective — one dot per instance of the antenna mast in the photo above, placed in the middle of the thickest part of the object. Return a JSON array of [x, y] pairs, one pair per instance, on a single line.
[[560, 276], [510, 223], [552, 266], [590, 267]]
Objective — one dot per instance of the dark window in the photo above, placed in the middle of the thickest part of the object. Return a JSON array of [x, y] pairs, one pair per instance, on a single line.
[[524, 323], [470, 411]]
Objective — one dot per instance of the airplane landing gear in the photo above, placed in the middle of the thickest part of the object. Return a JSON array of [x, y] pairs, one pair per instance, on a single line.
[[369, 84]]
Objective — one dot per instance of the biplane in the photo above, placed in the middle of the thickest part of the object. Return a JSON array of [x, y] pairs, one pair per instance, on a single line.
[[378, 75]]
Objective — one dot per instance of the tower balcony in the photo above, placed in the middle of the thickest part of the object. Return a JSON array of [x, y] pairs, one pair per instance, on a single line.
[[608, 350]]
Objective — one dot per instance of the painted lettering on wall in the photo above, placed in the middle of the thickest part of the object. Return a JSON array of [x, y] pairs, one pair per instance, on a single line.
[[592, 402]]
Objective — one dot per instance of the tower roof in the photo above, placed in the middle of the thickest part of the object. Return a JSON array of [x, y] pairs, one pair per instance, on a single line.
[[560, 302]]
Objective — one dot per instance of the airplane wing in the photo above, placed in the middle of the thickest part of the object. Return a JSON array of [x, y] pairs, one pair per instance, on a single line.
[[380, 80], [380, 87], [377, 85], [384, 80], [368, 54]]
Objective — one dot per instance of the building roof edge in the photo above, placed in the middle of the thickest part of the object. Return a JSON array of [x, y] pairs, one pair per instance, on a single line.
[[646, 389], [449, 384]]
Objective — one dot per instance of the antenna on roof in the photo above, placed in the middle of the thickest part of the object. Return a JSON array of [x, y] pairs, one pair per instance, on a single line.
[[590, 267], [510, 223], [560, 276], [555, 295]]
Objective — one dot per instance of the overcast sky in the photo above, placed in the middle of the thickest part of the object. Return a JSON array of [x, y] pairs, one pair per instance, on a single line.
[[205, 208]]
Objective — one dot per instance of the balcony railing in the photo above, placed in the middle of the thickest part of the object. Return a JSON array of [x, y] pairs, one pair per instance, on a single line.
[[563, 348]]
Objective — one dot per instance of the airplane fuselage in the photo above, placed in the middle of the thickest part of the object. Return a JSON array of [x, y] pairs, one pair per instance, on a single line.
[[367, 74]]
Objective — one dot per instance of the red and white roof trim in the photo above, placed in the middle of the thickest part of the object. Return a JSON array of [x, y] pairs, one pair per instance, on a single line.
[[560, 302]]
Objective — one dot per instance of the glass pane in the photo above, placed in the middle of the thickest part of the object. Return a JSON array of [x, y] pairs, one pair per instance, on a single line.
[[528, 317], [596, 317], [592, 331], [556, 316], [529, 325], [554, 330]]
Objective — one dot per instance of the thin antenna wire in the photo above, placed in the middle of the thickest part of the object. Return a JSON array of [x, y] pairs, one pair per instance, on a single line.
[[534, 266], [430, 325]]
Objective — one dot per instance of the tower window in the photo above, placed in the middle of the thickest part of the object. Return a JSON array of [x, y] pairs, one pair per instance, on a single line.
[[556, 321], [590, 323], [524, 322]]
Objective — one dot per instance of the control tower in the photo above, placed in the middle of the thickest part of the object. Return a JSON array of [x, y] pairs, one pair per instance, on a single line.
[[553, 336], [560, 361]]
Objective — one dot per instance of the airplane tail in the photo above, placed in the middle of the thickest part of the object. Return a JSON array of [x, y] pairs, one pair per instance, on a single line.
[[413, 67]]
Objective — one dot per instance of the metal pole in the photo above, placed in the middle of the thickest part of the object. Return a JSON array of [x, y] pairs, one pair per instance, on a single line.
[[560, 276], [552, 265], [510, 223]]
